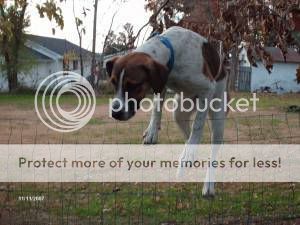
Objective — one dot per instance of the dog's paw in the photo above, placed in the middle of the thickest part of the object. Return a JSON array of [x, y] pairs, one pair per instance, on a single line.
[[187, 156], [208, 190], [150, 136]]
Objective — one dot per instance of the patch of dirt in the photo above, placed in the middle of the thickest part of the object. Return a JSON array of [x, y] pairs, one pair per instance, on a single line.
[[23, 126]]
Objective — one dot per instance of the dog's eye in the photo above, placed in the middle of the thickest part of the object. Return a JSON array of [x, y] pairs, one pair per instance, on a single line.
[[114, 82]]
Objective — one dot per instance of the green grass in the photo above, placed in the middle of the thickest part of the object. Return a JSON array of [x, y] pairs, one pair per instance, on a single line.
[[27, 100], [271, 101], [175, 202], [266, 101], [186, 205], [95, 121]]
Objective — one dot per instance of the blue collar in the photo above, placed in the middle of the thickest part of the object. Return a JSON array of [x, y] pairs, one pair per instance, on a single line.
[[165, 41], [169, 45]]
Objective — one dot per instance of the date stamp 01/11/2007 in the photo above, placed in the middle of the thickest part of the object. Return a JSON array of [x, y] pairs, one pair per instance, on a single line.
[[31, 198]]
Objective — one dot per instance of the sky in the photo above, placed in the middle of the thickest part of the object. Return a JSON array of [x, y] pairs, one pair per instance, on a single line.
[[132, 11]]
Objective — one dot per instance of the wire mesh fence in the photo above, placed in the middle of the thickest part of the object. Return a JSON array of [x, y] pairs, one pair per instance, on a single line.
[[256, 129], [154, 203]]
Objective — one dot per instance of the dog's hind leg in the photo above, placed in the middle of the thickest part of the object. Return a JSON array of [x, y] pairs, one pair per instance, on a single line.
[[218, 113], [182, 116], [217, 116], [195, 136]]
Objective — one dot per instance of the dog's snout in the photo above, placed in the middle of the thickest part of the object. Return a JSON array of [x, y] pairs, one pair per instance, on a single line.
[[117, 105], [118, 110], [118, 115]]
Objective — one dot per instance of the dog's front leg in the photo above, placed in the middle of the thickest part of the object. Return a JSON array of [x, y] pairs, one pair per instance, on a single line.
[[151, 133]]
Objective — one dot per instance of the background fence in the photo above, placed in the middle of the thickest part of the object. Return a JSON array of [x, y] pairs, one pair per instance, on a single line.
[[244, 79], [167, 203]]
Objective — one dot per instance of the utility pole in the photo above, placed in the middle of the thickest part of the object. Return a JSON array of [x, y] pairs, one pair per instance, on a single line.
[[94, 40]]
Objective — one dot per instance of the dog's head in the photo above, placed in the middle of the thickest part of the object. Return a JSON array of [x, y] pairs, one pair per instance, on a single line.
[[133, 76]]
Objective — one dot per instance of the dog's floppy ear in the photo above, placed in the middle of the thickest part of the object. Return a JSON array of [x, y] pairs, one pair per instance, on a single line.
[[110, 65], [158, 76]]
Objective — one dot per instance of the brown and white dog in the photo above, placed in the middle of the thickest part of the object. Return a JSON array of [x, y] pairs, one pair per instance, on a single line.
[[197, 72]]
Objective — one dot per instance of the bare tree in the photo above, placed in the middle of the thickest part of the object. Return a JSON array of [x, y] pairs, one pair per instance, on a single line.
[[106, 39], [122, 41], [80, 31]]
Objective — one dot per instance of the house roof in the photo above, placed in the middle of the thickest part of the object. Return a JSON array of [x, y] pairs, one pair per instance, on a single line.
[[57, 45], [292, 56], [35, 54]]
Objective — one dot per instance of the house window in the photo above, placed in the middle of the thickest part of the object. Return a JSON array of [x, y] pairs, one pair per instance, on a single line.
[[75, 64]]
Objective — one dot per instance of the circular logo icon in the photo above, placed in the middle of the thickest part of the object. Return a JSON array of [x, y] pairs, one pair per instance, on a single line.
[[47, 101]]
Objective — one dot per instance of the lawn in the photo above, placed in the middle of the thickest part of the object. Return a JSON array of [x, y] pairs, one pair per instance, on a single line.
[[25, 101], [267, 101], [102, 203], [156, 203]]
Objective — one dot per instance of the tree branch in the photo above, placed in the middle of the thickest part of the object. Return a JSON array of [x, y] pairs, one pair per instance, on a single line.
[[110, 28], [154, 16], [77, 27]]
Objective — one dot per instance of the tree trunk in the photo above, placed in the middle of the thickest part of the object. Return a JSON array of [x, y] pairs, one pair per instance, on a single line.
[[13, 81], [11, 70], [12, 75], [80, 56]]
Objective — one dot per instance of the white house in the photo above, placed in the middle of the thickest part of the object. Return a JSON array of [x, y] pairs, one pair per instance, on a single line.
[[283, 77], [48, 55]]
